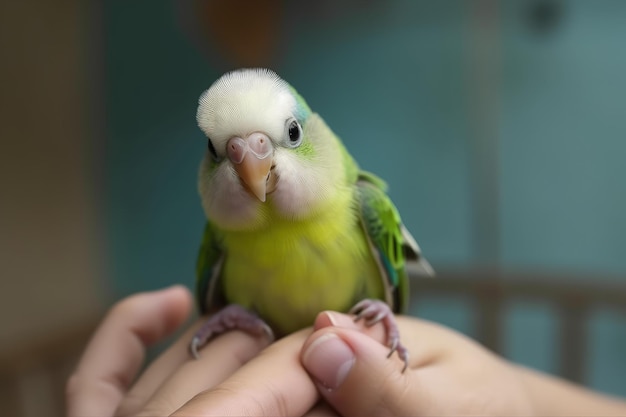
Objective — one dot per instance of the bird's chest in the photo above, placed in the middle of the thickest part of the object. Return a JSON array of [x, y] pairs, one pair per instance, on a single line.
[[287, 278]]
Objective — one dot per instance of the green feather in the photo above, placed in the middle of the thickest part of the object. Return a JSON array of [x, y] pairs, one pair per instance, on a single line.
[[208, 268], [382, 225]]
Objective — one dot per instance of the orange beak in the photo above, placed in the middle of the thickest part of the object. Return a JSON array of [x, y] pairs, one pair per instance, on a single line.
[[252, 159]]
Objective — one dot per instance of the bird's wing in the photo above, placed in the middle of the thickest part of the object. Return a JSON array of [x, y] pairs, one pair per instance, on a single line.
[[390, 240], [208, 268]]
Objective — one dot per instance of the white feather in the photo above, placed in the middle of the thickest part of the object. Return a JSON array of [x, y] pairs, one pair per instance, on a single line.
[[242, 102], [306, 183], [224, 199], [246, 101]]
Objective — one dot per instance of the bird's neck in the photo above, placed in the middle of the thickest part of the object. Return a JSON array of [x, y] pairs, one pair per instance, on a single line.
[[336, 219]]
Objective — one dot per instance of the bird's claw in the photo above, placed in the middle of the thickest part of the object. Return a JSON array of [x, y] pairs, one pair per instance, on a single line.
[[374, 311], [393, 347], [269, 333], [231, 317], [194, 346]]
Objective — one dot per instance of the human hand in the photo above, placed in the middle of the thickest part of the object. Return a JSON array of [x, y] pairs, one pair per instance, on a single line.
[[448, 374], [340, 362], [102, 384]]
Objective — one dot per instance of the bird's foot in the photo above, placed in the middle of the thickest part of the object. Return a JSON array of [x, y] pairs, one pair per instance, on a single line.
[[374, 311], [231, 317]]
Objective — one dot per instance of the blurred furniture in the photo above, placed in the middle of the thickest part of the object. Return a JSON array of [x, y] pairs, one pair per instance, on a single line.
[[52, 244], [33, 374], [574, 299]]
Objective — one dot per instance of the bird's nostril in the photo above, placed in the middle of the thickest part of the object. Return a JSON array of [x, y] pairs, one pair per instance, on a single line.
[[260, 145], [236, 148]]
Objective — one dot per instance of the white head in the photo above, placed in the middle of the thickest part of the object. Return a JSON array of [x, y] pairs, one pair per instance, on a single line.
[[268, 155]]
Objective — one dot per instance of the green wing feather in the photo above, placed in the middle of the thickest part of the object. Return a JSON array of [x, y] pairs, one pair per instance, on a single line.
[[391, 241], [392, 244], [208, 268]]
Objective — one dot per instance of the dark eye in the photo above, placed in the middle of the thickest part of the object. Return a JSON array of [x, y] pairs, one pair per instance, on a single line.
[[295, 133], [212, 150]]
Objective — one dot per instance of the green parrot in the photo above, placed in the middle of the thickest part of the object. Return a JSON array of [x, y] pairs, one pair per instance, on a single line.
[[294, 226]]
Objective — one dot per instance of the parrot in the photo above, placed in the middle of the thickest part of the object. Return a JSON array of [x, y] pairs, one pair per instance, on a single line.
[[293, 225]]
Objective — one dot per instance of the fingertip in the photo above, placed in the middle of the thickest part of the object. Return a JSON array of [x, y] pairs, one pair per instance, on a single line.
[[177, 298], [177, 290], [178, 304], [157, 314], [333, 319], [116, 350], [328, 359], [352, 370]]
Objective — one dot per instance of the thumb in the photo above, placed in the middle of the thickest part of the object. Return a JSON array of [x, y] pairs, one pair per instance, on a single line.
[[355, 376]]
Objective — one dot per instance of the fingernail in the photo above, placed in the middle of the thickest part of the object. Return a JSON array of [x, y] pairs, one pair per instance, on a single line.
[[332, 318], [340, 320], [329, 360]]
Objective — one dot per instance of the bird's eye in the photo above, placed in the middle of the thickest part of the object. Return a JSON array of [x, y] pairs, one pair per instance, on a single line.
[[212, 151], [295, 133]]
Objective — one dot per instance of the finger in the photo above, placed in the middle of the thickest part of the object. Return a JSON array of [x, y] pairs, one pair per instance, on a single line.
[[354, 375], [218, 360], [117, 348], [155, 374], [333, 318], [273, 383], [413, 333]]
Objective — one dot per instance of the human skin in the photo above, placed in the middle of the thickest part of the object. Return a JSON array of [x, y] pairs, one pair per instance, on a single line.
[[336, 368]]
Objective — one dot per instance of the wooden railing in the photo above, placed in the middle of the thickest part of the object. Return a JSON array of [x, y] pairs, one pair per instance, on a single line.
[[573, 298]]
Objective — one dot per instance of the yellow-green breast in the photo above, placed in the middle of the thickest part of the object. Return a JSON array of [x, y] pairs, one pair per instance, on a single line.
[[292, 270]]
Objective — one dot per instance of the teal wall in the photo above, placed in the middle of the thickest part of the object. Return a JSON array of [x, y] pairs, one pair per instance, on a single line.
[[562, 138], [153, 79], [394, 79]]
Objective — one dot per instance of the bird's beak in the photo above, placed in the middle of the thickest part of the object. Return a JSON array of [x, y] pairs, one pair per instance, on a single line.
[[252, 159]]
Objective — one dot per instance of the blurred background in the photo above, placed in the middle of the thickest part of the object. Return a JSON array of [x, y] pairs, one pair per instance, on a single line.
[[510, 118]]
